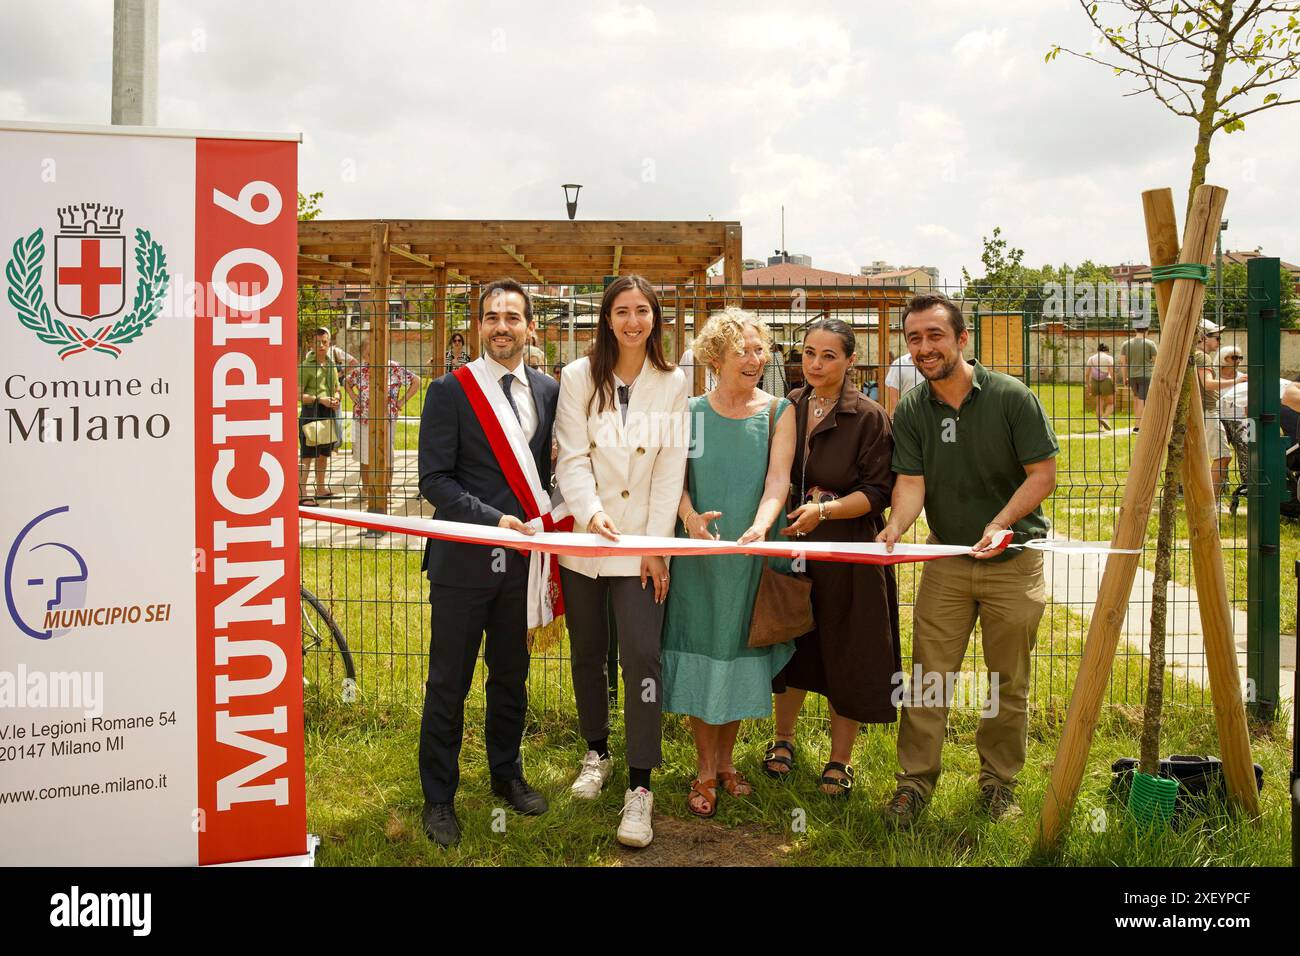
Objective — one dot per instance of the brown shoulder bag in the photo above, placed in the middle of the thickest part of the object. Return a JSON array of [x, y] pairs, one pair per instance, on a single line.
[[783, 605]]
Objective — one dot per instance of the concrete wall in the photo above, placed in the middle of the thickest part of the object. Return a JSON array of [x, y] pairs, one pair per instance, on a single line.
[[1068, 350]]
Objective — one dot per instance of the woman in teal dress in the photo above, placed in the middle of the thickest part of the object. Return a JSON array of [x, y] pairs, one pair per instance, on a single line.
[[736, 489]]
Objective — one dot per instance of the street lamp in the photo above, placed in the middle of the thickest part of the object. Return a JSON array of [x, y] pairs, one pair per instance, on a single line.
[[571, 198]]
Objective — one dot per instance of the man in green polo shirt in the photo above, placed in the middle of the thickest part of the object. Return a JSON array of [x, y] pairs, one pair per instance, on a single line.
[[975, 449]]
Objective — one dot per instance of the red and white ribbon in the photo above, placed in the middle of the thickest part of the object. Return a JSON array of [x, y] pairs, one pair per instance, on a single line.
[[594, 546]]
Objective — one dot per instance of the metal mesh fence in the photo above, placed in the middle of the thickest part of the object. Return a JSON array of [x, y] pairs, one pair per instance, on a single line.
[[1050, 340]]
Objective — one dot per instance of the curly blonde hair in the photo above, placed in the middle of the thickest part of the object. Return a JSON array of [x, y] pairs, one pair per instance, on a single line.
[[725, 332]]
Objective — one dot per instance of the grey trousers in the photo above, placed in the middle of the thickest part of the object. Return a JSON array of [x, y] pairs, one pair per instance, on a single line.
[[640, 622]]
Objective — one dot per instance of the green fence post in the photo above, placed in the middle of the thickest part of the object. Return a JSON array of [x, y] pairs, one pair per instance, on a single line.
[[1263, 571], [1024, 345]]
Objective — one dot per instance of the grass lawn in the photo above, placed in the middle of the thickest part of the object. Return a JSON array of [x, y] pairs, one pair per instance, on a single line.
[[364, 794]]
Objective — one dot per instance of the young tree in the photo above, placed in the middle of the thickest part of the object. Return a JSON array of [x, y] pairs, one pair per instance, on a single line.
[[309, 206], [1215, 62], [314, 308]]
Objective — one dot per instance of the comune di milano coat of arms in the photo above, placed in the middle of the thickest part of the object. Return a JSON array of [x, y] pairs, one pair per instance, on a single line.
[[90, 281]]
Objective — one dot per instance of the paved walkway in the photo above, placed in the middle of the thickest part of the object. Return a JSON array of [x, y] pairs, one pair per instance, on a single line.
[[1074, 579], [343, 477]]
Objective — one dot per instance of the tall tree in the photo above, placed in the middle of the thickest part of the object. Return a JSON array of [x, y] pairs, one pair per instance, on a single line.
[[1215, 62]]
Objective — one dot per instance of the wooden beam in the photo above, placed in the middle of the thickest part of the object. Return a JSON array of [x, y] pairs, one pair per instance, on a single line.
[[697, 322], [471, 333], [733, 266], [523, 232], [439, 322], [354, 250], [377, 480], [706, 254], [510, 251], [618, 255], [422, 260], [321, 262], [679, 322]]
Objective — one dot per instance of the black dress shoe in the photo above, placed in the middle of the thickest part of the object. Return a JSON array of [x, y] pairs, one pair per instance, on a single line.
[[440, 823], [519, 795]]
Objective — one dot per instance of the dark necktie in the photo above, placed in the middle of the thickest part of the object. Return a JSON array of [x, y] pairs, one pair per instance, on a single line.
[[508, 380], [624, 397]]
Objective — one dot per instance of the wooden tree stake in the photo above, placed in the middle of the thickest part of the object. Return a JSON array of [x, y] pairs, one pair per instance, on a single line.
[[1130, 528]]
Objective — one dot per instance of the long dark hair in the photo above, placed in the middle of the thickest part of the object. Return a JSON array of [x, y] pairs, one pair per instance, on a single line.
[[837, 327], [604, 350]]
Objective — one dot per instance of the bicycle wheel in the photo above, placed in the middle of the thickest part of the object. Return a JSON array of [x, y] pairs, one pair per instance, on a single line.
[[326, 660]]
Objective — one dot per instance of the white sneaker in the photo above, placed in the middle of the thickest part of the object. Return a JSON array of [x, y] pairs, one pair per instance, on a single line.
[[638, 808], [592, 776]]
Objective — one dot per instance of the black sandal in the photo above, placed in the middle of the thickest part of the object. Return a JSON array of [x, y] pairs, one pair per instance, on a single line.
[[845, 783], [772, 757]]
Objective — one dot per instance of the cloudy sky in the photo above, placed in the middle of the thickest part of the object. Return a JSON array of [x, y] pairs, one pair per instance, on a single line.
[[901, 131]]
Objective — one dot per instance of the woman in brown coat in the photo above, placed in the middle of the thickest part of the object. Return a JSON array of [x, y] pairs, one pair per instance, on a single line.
[[843, 482]]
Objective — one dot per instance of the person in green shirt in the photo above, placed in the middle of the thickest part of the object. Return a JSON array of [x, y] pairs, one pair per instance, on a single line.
[[320, 397], [976, 450], [1137, 360]]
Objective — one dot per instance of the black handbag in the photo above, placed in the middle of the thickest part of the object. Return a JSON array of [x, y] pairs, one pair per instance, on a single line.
[[1200, 781]]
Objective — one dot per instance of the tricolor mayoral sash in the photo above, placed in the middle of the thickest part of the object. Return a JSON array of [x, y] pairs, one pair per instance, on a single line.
[[510, 446]]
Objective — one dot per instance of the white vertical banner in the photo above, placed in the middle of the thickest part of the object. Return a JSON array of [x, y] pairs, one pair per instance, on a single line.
[[150, 663]]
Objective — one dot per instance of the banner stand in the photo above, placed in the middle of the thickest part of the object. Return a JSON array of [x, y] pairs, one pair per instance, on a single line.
[[150, 634], [305, 860]]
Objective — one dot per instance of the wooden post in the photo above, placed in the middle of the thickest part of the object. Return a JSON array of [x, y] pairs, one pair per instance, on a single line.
[[1207, 551], [882, 350], [471, 333], [679, 321], [733, 268], [698, 319], [1130, 528], [376, 488], [439, 323]]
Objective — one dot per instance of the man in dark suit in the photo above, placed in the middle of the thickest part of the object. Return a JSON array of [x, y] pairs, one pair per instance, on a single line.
[[475, 588]]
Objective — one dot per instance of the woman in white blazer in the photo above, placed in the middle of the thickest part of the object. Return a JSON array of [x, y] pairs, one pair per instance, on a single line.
[[623, 433]]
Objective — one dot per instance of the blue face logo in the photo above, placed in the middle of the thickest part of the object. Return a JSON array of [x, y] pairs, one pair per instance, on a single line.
[[42, 577]]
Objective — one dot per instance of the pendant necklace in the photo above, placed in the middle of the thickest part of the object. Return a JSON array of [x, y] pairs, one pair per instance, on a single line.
[[820, 410]]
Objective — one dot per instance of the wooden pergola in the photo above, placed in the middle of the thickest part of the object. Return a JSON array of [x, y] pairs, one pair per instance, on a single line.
[[382, 253]]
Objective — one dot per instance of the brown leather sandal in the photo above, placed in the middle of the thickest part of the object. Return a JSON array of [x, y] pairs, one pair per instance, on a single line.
[[734, 782], [708, 790]]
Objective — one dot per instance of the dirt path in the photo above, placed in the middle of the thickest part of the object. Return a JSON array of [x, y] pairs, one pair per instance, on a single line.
[[705, 843]]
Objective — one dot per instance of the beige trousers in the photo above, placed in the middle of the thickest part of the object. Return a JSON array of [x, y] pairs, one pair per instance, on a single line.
[[1007, 597]]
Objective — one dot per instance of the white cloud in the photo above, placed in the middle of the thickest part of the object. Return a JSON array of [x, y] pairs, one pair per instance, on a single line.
[[624, 20], [979, 48], [902, 132]]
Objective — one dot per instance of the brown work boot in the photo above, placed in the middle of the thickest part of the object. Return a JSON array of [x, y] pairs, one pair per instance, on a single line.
[[904, 808], [999, 802]]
